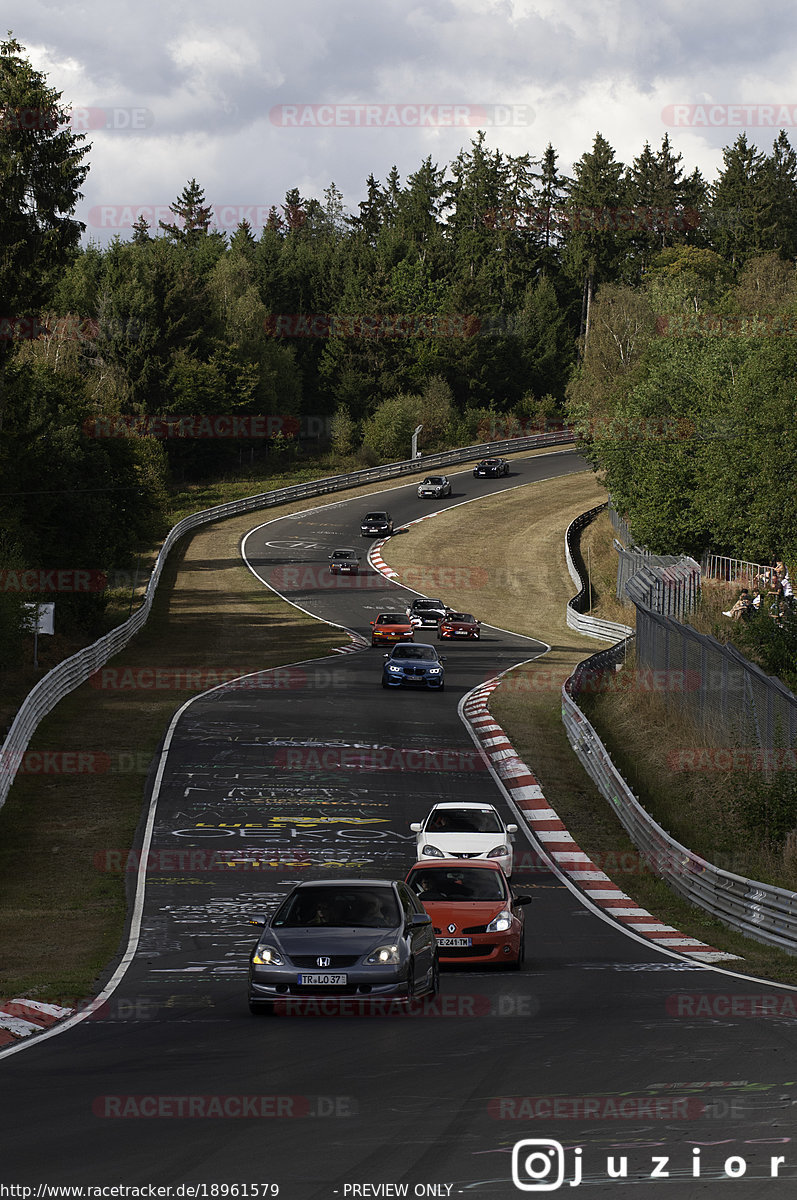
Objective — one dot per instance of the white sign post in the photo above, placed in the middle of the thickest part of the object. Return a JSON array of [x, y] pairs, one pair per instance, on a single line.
[[39, 618]]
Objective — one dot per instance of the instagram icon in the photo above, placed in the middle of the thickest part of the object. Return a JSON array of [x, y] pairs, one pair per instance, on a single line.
[[538, 1165]]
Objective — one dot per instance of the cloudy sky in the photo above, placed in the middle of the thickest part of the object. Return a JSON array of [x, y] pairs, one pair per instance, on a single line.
[[252, 99]]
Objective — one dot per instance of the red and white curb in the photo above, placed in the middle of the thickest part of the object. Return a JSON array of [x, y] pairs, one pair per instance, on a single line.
[[378, 563], [549, 830], [357, 643], [23, 1018]]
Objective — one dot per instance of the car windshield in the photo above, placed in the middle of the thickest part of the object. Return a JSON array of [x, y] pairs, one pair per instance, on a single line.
[[454, 883], [391, 619], [463, 820], [344, 554], [375, 517], [434, 479], [367, 908], [464, 617], [427, 604], [415, 652]]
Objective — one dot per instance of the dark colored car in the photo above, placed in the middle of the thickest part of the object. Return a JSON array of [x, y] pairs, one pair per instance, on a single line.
[[458, 625], [344, 562], [417, 665], [491, 468], [376, 524], [476, 918], [426, 614], [435, 486], [344, 937]]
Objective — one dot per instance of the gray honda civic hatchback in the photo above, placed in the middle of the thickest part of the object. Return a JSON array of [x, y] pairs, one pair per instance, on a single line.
[[344, 938]]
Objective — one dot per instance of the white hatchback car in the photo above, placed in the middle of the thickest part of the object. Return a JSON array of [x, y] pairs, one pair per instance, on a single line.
[[465, 830]]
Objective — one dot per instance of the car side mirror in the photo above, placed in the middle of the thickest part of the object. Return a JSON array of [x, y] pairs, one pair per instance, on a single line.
[[385, 656], [511, 828], [416, 827], [373, 623], [420, 919], [442, 658], [519, 901], [262, 921]]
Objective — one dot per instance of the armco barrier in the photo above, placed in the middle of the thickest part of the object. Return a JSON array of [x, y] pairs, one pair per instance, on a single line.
[[764, 912], [577, 619], [74, 671]]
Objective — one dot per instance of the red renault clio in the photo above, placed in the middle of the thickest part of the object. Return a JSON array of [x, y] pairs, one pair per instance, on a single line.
[[476, 918]]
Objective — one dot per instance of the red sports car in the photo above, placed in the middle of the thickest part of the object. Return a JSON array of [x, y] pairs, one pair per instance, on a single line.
[[476, 918], [458, 625]]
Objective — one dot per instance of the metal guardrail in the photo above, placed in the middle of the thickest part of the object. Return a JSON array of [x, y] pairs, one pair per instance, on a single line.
[[762, 911], [732, 570], [74, 671], [577, 619]]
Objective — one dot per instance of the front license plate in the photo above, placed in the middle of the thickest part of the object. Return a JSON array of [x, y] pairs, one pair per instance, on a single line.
[[319, 979], [448, 942]]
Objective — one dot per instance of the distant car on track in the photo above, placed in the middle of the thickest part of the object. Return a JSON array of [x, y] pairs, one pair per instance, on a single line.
[[344, 937], [465, 829], [491, 468], [475, 916], [376, 524], [458, 625], [391, 627], [344, 562], [434, 486], [426, 614], [415, 665]]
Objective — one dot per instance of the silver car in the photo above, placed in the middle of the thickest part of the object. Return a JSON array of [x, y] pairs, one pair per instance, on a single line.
[[434, 486]]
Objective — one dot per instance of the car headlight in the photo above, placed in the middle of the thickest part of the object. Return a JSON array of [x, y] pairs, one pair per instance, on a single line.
[[393, 669], [435, 670], [267, 956], [501, 923], [383, 956], [499, 852], [432, 852]]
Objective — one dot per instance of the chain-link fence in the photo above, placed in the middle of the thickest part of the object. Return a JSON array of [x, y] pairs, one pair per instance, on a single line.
[[729, 696]]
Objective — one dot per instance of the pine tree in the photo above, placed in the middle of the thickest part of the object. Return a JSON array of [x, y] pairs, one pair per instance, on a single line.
[[779, 188], [739, 203], [141, 231], [193, 214], [594, 248], [243, 240]]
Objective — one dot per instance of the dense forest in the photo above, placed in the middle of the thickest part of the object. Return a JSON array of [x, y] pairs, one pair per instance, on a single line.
[[495, 294]]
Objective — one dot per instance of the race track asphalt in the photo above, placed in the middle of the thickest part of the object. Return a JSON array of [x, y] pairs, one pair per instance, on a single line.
[[607, 1045]]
